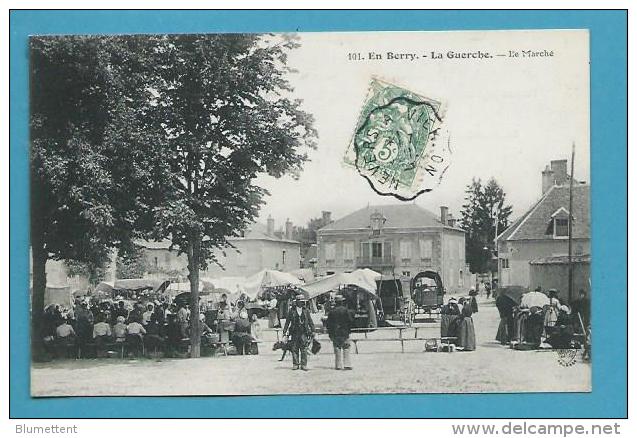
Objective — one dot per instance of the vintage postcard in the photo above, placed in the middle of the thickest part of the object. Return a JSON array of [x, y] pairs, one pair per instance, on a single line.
[[310, 213]]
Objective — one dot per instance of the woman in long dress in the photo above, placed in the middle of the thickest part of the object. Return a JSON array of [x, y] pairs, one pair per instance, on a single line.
[[466, 330], [448, 314], [505, 328]]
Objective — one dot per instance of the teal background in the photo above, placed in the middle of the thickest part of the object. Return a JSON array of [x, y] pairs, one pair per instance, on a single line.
[[608, 33]]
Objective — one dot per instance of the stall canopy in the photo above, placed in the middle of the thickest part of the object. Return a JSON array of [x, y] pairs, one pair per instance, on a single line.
[[257, 283], [534, 299], [173, 289], [54, 294], [362, 278], [133, 284]]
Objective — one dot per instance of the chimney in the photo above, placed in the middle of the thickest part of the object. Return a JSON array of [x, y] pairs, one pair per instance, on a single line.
[[327, 217], [548, 179], [559, 170], [451, 221], [288, 229], [443, 214], [270, 226]]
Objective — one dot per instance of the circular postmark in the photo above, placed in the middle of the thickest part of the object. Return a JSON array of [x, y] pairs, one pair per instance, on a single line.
[[566, 357], [397, 145]]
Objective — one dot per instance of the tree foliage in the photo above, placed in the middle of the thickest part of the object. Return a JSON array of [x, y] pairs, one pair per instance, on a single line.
[[222, 106], [484, 205], [89, 169], [159, 136]]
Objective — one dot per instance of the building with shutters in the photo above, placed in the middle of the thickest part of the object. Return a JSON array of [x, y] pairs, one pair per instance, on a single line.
[[397, 241], [259, 247]]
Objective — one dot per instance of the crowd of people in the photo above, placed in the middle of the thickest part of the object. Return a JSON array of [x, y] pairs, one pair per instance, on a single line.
[[160, 325], [553, 325]]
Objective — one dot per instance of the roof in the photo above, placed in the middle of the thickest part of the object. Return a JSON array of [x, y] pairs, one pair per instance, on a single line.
[[397, 216], [561, 260], [533, 224], [254, 231], [258, 231]]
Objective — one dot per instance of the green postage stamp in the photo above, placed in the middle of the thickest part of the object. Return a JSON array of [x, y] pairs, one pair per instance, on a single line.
[[398, 145]]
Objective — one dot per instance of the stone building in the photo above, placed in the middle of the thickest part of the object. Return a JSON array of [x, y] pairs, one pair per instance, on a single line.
[[542, 232], [398, 241], [260, 247]]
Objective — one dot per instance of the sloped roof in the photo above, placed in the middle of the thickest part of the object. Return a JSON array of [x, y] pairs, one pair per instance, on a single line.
[[397, 216], [561, 260], [255, 231], [258, 231], [533, 223]]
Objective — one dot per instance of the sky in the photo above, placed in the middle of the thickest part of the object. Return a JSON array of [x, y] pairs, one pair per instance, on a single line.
[[507, 117]]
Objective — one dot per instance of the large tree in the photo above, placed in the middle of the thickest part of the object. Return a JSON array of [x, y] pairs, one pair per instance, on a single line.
[[223, 104], [89, 173], [484, 211]]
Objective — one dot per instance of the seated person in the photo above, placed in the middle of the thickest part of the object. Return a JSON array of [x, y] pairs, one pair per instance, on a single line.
[[148, 314], [119, 329], [241, 337], [561, 338], [101, 329], [135, 335], [204, 330], [64, 333]]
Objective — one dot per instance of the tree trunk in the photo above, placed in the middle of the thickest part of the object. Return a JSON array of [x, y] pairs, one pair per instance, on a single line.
[[194, 255], [39, 257]]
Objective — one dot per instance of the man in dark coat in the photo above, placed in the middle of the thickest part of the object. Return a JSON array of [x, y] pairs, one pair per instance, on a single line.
[[339, 327], [300, 328]]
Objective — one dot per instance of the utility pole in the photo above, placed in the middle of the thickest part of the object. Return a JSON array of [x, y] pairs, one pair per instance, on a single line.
[[570, 228]]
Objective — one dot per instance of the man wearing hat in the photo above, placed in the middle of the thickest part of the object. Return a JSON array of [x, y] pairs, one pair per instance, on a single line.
[[300, 328], [339, 326]]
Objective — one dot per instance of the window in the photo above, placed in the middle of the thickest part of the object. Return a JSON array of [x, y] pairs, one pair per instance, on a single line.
[[504, 263], [348, 251], [405, 249], [425, 249], [560, 227], [283, 258], [156, 262], [330, 252], [406, 274], [377, 249], [460, 279]]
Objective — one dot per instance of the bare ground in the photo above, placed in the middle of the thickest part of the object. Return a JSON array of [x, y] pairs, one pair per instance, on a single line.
[[379, 368]]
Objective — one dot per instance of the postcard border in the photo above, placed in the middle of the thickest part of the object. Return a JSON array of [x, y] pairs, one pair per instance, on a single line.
[[608, 54]]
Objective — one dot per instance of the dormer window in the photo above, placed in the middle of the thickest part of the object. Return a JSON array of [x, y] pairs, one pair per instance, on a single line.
[[560, 227], [558, 224], [377, 220]]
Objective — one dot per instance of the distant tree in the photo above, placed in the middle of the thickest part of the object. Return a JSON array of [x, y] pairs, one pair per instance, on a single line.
[[94, 271], [88, 167], [221, 102], [484, 205], [132, 263]]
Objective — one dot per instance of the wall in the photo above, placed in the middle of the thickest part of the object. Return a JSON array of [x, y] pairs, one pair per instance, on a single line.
[[556, 276], [521, 252], [253, 255], [162, 259]]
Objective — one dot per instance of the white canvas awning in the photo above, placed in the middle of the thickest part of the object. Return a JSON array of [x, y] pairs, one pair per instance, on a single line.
[[363, 278]]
